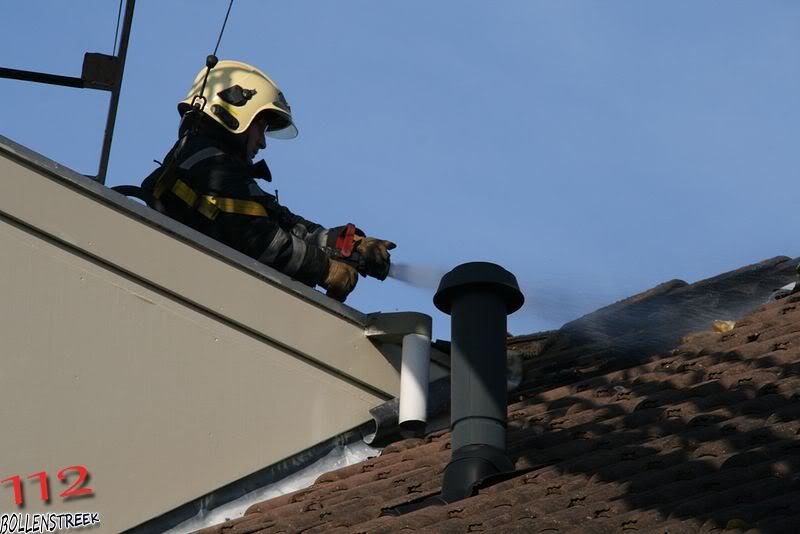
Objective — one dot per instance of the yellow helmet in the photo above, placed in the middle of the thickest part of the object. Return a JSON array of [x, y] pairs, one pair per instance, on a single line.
[[236, 93]]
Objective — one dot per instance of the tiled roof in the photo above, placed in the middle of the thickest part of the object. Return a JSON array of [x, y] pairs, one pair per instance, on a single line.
[[703, 438]]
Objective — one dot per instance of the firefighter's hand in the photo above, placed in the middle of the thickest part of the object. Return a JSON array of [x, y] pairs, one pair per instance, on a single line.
[[340, 281], [376, 253]]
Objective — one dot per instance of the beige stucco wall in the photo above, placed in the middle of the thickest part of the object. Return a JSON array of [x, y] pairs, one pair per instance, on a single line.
[[165, 369]]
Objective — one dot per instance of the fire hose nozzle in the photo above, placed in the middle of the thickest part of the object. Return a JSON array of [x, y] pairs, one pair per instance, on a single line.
[[364, 268], [346, 250]]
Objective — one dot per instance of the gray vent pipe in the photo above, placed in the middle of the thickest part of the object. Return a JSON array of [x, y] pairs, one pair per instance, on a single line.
[[478, 296]]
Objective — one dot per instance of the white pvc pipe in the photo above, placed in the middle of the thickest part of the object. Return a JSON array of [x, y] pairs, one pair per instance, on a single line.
[[414, 373]]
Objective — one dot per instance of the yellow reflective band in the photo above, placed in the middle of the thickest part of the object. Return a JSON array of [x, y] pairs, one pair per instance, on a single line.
[[204, 208], [161, 182], [233, 205], [161, 185], [210, 206], [184, 192]]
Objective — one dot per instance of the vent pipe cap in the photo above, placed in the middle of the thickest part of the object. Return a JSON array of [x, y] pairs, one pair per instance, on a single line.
[[478, 276]]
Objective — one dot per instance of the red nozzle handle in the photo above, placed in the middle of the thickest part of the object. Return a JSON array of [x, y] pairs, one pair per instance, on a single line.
[[345, 240]]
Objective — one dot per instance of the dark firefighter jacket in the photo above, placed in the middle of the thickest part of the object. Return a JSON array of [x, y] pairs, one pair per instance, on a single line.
[[281, 239]]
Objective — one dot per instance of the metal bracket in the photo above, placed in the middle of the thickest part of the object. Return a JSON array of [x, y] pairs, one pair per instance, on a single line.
[[99, 71]]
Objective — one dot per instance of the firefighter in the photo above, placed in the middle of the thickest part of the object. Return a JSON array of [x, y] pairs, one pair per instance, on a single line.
[[208, 181]]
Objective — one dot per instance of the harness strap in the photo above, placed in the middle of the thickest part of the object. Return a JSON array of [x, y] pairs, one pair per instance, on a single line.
[[210, 205], [207, 205], [166, 180]]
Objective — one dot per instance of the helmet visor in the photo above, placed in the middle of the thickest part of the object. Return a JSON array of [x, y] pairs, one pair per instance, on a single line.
[[285, 131], [280, 125], [280, 121]]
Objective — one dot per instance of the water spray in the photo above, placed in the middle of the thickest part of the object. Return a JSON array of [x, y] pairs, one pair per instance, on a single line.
[[556, 301], [420, 276]]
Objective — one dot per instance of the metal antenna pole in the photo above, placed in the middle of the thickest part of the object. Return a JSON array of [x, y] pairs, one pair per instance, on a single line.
[[112, 108]]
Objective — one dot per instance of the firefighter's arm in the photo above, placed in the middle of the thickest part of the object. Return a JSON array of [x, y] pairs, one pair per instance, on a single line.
[[262, 238]]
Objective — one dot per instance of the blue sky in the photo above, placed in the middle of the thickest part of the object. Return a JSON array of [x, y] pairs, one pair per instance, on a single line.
[[593, 148]]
